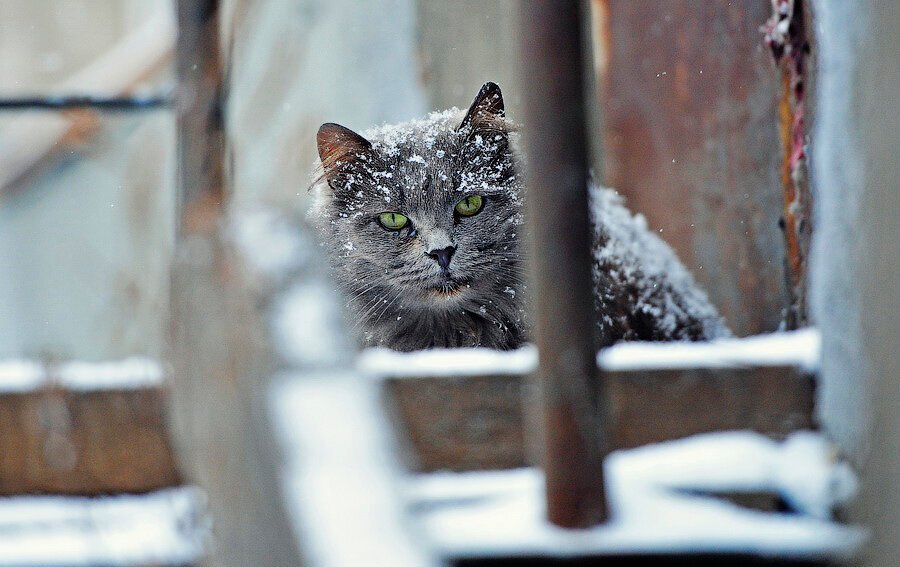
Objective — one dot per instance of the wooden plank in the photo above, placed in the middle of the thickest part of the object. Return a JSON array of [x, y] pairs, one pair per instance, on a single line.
[[85, 443], [647, 560], [690, 138], [473, 423]]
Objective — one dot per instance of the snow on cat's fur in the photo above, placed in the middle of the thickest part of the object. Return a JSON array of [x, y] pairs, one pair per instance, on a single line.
[[447, 279]]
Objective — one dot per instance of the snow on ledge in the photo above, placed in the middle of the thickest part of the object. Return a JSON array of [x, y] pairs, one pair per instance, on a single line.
[[20, 376], [793, 348], [501, 513], [452, 362], [159, 528], [339, 473]]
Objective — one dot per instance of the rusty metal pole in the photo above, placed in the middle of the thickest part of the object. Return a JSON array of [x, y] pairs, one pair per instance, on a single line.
[[573, 399], [200, 106]]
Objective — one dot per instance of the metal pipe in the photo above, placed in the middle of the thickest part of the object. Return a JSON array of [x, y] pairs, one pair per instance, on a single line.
[[200, 101], [573, 400], [86, 102]]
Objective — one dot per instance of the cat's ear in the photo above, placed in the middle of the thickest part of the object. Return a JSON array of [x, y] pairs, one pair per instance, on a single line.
[[339, 146], [487, 110]]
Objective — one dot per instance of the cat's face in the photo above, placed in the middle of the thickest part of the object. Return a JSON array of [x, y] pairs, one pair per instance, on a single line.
[[425, 216]]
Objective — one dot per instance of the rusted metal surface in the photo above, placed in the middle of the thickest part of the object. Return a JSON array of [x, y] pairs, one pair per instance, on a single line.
[[477, 423], [200, 103], [573, 402], [690, 108], [785, 35], [85, 443]]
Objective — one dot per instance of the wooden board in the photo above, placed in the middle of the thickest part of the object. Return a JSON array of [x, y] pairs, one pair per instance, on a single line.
[[476, 423], [88, 443]]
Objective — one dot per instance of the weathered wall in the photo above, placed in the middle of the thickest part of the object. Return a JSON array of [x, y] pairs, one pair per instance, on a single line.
[[43, 41], [691, 140], [464, 44], [85, 238]]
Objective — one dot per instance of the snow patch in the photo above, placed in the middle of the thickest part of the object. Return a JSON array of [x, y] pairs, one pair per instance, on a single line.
[[792, 348], [268, 241], [306, 325], [131, 373], [385, 363], [494, 513], [339, 475], [159, 528]]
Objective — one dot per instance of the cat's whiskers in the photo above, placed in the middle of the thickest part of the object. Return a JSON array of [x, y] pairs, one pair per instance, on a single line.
[[370, 306], [388, 306], [363, 287]]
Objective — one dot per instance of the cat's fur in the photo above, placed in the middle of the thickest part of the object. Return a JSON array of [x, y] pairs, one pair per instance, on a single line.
[[399, 295]]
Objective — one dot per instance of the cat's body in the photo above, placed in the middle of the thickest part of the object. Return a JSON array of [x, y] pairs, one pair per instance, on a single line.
[[424, 224]]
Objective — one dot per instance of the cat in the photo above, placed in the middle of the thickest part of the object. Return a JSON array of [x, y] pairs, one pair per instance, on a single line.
[[424, 225]]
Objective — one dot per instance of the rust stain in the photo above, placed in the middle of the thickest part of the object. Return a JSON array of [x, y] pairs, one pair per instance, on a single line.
[[682, 90], [785, 129], [601, 41], [785, 35]]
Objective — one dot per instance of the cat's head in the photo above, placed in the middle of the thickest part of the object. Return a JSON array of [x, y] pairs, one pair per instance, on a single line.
[[425, 215]]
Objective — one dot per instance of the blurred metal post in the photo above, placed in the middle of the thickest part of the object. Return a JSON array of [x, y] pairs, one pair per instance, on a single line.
[[221, 363], [574, 416], [200, 106]]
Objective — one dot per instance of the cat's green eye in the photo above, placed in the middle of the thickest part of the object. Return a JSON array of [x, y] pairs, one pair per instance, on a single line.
[[393, 221], [469, 206]]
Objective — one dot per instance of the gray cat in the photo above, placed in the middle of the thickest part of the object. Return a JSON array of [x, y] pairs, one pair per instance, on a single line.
[[424, 225]]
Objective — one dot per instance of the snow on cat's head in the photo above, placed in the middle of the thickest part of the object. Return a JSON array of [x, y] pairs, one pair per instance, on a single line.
[[422, 217]]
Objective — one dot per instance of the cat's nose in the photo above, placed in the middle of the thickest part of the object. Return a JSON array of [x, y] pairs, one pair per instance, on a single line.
[[442, 256]]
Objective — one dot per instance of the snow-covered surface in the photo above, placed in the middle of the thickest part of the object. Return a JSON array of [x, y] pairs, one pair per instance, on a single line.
[[306, 322], [493, 513], [793, 348], [340, 474], [843, 273], [131, 373], [629, 255], [306, 326], [382, 362], [269, 241], [160, 528]]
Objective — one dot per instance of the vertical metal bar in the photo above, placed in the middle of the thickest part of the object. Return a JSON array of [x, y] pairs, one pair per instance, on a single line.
[[575, 439], [200, 99]]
